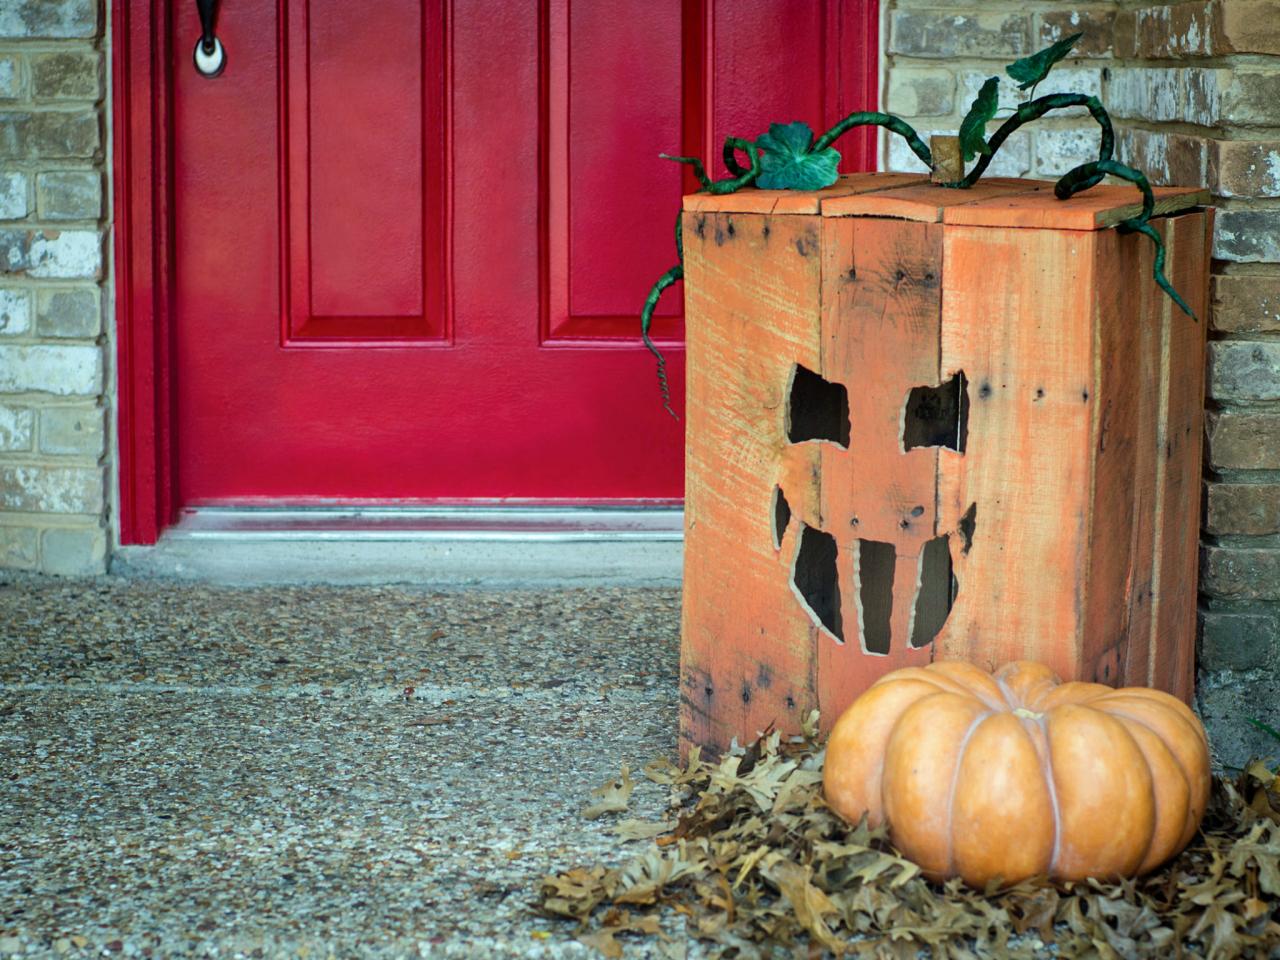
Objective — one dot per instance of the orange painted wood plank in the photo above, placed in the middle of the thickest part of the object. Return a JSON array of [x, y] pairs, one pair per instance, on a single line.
[[925, 201], [881, 311], [752, 312], [1178, 444], [753, 200], [1017, 319], [1095, 209], [1127, 388]]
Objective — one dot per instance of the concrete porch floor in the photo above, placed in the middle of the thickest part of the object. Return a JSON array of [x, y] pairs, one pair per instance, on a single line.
[[188, 769]]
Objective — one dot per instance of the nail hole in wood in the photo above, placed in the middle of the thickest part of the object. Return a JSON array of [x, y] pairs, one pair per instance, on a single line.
[[816, 579], [817, 409], [937, 416]]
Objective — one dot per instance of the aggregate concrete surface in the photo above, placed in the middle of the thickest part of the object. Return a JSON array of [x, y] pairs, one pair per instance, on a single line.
[[214, 771]]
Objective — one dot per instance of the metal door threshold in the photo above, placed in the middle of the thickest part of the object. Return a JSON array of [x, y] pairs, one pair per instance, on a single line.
[[523, 523], [469, 546]]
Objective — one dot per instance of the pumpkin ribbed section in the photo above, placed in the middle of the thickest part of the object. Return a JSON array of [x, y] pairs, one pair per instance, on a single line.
[[1015, 775]]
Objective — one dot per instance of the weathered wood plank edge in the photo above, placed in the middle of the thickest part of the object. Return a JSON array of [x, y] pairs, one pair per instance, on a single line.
[[752, 199], [926, 202], [1087, 212]]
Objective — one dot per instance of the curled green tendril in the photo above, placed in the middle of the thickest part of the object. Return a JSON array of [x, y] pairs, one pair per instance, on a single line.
[[1087, 174], [870, 118], [740, 179], [730, 156], [730, 185], [646, 319], [1034, 110]]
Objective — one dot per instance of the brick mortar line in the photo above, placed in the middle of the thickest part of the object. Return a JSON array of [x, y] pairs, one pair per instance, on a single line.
[[47, 340], [1238, 606], [1231, 405], [1264, 62], [67, 521], [1235, 336], [1002, 6], [1183, 128], [69, 105], [50, 401], [27, 284], [37, 401], [1056, 124], [1269, 542], [30, 45], [36, 458], [1256, 204], [1271, 479], [1253, 62], [1245, 270]]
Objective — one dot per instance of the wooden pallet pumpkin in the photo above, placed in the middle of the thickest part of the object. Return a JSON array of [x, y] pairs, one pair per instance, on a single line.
[[934, 423]]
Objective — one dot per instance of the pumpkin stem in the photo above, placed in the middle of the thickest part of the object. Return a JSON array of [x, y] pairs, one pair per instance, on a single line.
[[1026, 714]]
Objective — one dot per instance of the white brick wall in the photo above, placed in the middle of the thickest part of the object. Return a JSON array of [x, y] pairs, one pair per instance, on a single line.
[[53, 355]]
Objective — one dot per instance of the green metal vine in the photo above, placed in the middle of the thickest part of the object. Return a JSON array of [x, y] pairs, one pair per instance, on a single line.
[[789, 157]]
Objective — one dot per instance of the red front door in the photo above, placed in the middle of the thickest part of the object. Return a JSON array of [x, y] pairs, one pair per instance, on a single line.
[[411, 237]]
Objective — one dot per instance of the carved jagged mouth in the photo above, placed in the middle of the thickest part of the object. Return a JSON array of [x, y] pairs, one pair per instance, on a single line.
[[817, 587], [818, 410]]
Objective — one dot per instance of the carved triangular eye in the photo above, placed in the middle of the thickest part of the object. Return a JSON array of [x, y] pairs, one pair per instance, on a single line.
[[817, 409]]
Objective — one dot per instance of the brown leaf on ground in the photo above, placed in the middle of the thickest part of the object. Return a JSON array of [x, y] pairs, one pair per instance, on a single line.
[[611, 796], [642, 830], [758, 864], [1260, 789]]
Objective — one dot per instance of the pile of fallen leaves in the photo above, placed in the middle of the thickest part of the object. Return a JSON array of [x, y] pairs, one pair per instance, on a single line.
[[758, 865]]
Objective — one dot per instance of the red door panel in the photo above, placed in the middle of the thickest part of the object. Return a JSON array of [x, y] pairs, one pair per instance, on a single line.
[[343, 72], [412, 237]]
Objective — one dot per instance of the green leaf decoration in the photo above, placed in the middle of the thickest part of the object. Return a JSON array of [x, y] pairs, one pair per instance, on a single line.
[[973, 128], [1031, 70], [787, 163]]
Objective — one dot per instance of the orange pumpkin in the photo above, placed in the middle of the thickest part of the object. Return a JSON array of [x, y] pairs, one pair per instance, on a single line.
[[1016, 774]]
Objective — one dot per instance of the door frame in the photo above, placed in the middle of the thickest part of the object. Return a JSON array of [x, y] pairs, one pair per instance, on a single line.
[[142, 198]]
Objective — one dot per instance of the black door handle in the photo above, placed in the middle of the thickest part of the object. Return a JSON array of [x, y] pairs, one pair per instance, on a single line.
[[209, 55]]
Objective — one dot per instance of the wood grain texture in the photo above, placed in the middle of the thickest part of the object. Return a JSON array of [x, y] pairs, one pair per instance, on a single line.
[[753, 200], [948, 159], [1144, 533], [1017, 319], [1083, 458], [752, 296], [926, 201], [1178, 449], [882, 299], [1103, 206], [1127, 390]]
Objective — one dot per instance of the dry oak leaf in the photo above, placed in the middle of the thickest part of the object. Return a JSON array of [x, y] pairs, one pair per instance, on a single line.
[[611, 796]]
